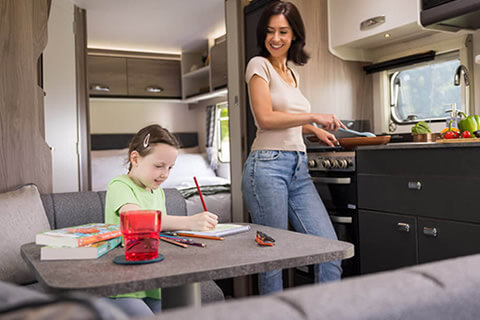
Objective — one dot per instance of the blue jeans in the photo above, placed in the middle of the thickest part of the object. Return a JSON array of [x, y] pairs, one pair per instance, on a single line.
[[278, 189]]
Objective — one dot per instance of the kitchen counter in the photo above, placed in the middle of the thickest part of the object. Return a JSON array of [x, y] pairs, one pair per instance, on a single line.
[[420, 145]]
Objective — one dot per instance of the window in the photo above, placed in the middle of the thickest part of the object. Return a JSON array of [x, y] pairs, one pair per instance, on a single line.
[[425, 91], [223, 136]]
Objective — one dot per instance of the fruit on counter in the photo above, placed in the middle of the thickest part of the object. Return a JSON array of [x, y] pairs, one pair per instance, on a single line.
[[477, 133], [466, 134], [450, 133], [469, 123], [421, 127]]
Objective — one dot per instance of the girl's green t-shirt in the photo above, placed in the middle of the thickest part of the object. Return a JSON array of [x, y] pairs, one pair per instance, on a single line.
[[122, 190]]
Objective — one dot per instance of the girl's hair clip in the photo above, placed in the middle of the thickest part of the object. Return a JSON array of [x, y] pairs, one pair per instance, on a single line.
[[146, 141]]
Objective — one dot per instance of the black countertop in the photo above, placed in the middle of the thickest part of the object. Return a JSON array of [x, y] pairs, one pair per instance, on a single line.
[[420, 145]]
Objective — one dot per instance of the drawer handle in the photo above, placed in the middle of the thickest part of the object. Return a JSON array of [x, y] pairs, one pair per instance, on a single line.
[[99, 87], [403, 227], [154, 89], [371, 23], [431, 232], [414, 185]]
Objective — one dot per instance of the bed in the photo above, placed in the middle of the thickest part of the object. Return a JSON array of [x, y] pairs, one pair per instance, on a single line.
[[109, 158]]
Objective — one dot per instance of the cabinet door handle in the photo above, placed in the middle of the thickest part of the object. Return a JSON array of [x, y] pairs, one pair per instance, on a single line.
[[431, 232], [99, 87], [403, 227], [372, 22], [154, 89], [414, 185]]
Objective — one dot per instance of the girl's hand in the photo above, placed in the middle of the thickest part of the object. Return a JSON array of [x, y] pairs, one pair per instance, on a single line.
[[326, 137], [203, 221], [328, 121]]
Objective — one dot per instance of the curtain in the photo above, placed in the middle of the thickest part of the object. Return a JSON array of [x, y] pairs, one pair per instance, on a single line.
[[211, 144]]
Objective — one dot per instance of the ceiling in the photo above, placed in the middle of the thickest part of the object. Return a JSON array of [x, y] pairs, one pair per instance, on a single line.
[[163, 26]]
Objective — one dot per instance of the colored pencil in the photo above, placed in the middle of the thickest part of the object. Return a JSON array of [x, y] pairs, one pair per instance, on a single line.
[[200, 193], [174, 242], [185, 241], [200, 236]]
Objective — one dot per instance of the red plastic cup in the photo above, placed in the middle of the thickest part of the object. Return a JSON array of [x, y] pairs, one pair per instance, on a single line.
[[140, 231]]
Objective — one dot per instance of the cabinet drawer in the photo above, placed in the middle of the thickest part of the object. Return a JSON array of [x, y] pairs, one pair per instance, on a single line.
[[156, 78], [439, 239], [387, 241], [107, 76], [429, 196]]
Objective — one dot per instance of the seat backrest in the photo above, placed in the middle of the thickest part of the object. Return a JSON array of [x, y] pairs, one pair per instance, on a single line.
[[76, 208]]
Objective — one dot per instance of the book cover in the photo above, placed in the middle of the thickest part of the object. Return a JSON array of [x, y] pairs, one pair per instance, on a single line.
[[79, 236], [91, 251], [221, 230]]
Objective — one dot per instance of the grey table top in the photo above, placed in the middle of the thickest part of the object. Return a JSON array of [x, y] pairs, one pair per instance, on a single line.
[[237, 255]]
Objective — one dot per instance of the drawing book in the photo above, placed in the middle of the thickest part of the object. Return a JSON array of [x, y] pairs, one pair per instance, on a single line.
[[221, 230], [79, 236], [91, 251]]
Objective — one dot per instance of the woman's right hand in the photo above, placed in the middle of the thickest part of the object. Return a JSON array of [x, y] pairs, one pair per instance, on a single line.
[[328, 121], [203, 221]]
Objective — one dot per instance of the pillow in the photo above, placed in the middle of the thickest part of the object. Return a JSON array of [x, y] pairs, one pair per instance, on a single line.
[[106, 165], [22, 216], [186, 167]]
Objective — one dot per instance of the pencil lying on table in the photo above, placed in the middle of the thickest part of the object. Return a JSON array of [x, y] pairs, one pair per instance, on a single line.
[[174, 242], [199, 236], [184, 240]]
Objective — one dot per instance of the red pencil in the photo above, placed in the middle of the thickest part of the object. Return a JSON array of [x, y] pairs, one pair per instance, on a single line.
[[200, 193]]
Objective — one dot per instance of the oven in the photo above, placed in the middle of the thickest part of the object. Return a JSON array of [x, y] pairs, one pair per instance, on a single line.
[[334, 176]]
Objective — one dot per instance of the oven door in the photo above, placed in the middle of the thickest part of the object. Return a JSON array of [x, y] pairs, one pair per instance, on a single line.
[[337, 190]]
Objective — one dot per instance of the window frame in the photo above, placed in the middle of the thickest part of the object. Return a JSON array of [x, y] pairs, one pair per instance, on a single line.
[[392, 75], [218, 129]]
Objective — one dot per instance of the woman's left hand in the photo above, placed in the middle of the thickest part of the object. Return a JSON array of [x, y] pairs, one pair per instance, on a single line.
[[326, 137]]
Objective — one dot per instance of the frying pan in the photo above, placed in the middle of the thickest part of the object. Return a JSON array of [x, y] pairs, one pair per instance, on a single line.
[[350, 143]]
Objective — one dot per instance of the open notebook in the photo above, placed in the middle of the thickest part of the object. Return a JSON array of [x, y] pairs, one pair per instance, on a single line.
[[221, 230]]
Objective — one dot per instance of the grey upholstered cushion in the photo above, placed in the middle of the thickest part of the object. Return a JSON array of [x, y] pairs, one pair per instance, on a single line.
[[74, 208], [264, 308], [21, 217], [175, 202], [20, 301]]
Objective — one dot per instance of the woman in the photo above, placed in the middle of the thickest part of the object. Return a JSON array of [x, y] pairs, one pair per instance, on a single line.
[[276, 185]]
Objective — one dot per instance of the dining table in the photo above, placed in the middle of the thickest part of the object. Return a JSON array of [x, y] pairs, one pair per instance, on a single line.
[[182, 269]]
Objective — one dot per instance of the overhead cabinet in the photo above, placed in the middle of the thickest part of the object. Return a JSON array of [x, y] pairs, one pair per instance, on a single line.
[[415, 207], [133, 77], [357, 27]]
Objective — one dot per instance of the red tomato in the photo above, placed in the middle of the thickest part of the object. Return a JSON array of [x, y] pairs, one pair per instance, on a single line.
[[450, 135], [466, 134]]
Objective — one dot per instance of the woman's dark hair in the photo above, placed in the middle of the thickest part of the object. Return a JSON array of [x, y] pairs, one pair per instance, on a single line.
[[144, 139], [296, 53]]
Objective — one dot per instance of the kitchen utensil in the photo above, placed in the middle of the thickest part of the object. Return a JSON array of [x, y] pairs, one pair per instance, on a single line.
[[362, 134], [425, 137], [350, 143]]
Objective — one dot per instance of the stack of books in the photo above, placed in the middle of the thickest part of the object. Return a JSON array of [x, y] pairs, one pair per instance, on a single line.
[[88, 241]]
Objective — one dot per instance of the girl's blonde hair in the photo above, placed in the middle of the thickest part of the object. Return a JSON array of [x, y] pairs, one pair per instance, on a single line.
[[143, 141]]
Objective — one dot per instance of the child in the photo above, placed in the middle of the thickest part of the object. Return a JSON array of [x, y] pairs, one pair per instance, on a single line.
[[152, 154]]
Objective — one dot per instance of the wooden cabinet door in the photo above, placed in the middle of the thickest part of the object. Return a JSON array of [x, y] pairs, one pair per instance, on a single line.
[[107, 76], [218, 67], [24, 154], [156, 78], [442, 239], [387, 241]]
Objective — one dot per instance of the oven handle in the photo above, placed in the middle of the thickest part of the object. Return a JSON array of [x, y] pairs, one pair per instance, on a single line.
[[332, 180], [340, 219]]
